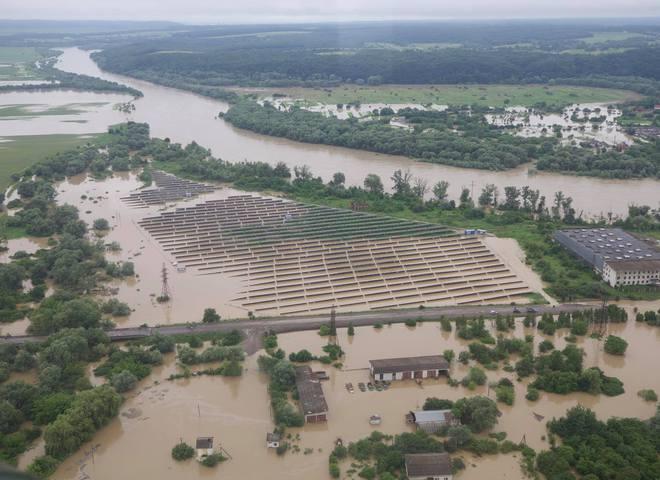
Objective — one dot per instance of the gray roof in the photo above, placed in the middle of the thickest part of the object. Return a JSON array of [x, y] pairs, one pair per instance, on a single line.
[[409, 364], [273, 437], [634, 265], [428, 464], [603, 245], [432, 416], [310, 392], [204, 442]]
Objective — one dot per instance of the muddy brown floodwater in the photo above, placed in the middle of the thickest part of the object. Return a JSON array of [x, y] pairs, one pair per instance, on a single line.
[[184, 117], [236, 410]]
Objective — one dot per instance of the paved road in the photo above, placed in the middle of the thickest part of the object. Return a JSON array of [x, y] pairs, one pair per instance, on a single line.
[[300, 323]]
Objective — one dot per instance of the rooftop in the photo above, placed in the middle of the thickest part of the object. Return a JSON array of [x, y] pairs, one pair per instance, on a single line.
[[439, 416], [204, 442], [408, 364], [609, 243], [310, 392], [273, 437], [634, 265], [428, 464]]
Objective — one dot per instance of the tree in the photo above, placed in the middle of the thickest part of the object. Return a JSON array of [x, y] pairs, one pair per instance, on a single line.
[[420, 187], [10, 417], [124, 381], [615, 345], [101, 224], [182, 451], [351, 330], [210, 316], [433, 403], [478, 413], [47, 408], [373, 184], [338, 179], [440, 190], [43, 467], [283, 374], [402, 181], [488, 197]]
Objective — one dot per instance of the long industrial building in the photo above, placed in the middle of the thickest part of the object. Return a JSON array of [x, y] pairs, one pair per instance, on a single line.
[[620, 258]]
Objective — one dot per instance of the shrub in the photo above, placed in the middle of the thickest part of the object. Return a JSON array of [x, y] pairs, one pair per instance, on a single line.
[[43, 467], [476, 376], [615, 345], [101, 224], [532, 394], [324, 330], [648, 395], [213, 459], [124, 381], [182, 451]]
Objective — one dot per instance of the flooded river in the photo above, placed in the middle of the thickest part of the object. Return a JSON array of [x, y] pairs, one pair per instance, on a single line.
[[184, 117], [236, 411]]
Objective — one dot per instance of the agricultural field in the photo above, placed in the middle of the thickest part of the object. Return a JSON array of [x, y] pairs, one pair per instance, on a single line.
[[34, 110], [17, 153], [16, 63], [483, 95]]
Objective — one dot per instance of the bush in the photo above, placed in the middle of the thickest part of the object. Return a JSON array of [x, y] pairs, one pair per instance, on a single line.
[[212, 460], [101, 224], [124, 381], [615, 345], [210, 316], [433, 403], [648, 395], [43, 467], [532, 394], [476, 376], [182, 451], [324, 330]]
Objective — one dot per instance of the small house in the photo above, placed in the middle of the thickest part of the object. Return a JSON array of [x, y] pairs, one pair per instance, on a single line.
[[273, 440], [204, 447], [428, 466], [430, 366], [431, 421]]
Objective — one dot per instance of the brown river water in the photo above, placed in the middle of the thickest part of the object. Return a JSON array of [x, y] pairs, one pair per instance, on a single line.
[[236, 411], [184, 117]]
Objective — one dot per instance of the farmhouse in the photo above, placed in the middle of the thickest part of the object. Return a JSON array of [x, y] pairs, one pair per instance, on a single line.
[[617, 256], [431, 420], [310, 395], [430, 366], [428, 466]]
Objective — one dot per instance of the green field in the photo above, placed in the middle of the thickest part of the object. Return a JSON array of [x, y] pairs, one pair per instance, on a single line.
[[23, 110], [17, 153], [16, 63], [18, 54], [483, 95]]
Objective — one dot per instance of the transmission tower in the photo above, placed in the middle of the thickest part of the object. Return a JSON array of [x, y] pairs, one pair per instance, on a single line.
[[165, 290]]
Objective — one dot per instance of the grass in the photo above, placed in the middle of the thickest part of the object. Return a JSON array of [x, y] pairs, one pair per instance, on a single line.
[[23, 110], [483, 95], [18, 153], [14, 55]]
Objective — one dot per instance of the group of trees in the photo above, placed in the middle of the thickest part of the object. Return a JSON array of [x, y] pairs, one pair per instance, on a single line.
[[596, 450], [433, 137]]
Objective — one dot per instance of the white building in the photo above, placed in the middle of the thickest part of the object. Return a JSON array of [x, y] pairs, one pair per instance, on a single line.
[[619, 273]]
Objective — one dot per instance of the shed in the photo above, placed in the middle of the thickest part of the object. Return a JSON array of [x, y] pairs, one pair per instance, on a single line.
[[425, 466], [432, 420], [204, 447], [273, 440]]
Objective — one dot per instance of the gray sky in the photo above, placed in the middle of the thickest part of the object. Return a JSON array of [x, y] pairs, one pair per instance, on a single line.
[[258, 11]]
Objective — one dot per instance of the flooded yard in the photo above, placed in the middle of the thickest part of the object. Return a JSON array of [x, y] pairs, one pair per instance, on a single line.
[[236, 410]]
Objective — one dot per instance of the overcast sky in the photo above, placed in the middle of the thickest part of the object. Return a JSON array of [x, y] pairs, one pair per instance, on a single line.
[[259, 11]]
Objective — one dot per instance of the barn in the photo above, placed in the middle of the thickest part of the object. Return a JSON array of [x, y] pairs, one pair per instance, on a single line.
[[430, 366]]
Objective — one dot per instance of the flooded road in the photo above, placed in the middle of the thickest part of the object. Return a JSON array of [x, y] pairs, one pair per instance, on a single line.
[[184, 117], [236, 411]]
